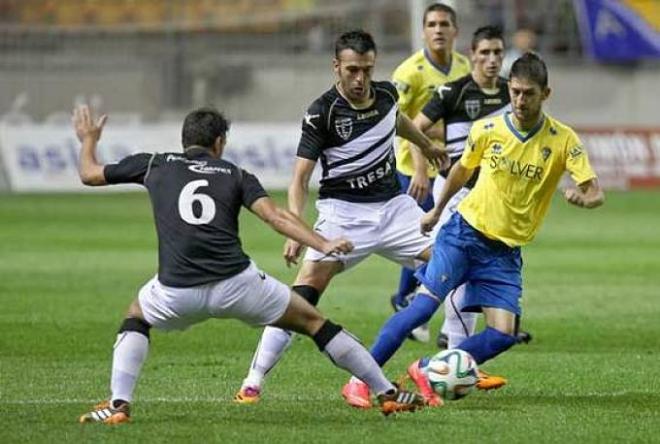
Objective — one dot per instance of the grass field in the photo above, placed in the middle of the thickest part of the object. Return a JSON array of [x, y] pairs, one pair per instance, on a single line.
[[70, 264]]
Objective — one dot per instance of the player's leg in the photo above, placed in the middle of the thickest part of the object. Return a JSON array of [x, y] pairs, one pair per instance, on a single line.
[[156, 306], [407, 281], [494, 288], [312, 280], [336, 219], [457, 325], [445, 270], [268, 301], [129, 353]]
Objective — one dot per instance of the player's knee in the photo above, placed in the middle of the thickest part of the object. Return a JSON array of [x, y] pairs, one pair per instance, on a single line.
[[307, 292], [326, 333], [135, 325]]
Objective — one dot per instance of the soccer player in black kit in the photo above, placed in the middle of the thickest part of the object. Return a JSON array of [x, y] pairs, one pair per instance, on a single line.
[[350, 130], [202, 270]]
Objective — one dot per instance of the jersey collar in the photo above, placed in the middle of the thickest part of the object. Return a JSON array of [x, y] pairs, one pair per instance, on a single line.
[[197, 152], [442, 68], [520, 136]]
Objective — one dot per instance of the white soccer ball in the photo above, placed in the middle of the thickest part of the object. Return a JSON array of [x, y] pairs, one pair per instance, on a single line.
[[451, 373]]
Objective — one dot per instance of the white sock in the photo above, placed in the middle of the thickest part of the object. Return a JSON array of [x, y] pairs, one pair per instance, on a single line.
[[272, 345], [346, 352], [130, 352], [458, 326]]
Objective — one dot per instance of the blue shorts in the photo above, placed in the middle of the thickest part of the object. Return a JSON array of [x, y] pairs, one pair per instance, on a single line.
[[491, 268], [404, 182]]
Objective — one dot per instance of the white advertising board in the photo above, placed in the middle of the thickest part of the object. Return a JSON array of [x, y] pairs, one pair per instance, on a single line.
[[44, 158]]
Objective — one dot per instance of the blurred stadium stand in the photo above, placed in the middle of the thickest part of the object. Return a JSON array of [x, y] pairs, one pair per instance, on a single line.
[[158, 57]]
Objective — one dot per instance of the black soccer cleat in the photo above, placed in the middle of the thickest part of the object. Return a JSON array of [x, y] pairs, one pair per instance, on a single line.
[[442, 341], [523, 337]]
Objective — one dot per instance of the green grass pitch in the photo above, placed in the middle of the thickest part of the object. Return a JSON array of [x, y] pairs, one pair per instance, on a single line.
[[70, 264]]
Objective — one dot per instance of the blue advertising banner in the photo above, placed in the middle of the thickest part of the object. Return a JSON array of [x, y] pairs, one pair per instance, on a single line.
[[619, 30]]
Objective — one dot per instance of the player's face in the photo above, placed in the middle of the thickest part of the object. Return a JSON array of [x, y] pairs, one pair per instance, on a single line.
[[354, 73], [439, 31], [527, 98], [487, 57]]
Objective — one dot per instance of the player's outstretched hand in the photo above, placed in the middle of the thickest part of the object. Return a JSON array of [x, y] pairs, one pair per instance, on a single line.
[[429, 220], [292, 250], [338, 246], [84, 124], [437, 157]]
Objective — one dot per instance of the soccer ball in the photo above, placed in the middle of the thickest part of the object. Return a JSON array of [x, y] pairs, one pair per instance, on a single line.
[[451, 373]]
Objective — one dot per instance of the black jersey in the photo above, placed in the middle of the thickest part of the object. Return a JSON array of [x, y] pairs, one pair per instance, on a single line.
[[356, 147], [459, 104], [196, 200]]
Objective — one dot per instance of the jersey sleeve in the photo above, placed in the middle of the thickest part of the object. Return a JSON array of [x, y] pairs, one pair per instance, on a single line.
[[391, 88], [251, 189], [314, 132], [577, 160], [441, 102], [131, 169], [475, 146], [405, 86]]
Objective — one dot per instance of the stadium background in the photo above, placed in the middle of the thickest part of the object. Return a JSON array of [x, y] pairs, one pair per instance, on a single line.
[[147, 62], [69, 263]]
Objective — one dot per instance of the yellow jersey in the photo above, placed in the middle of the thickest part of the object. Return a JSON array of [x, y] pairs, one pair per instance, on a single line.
[[416, 79], [519, 174]]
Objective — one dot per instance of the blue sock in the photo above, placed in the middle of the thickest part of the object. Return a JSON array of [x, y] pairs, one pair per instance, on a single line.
[[400, 324], [487, 344], [407, 284]]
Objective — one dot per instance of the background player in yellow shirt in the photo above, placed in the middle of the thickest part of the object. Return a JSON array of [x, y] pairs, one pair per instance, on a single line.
[[522, 156], [416, 79]]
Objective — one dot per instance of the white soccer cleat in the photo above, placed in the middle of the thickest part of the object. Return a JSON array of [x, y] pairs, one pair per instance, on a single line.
[[421, 333]]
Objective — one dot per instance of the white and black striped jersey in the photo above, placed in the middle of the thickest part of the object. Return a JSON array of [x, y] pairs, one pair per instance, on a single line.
[[196, 200], [355, 147], [459, 104]]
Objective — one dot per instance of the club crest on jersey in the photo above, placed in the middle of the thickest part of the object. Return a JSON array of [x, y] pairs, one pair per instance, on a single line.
[[545, 152], [575, 152], [344, 127], [472, 108], [497, 148]]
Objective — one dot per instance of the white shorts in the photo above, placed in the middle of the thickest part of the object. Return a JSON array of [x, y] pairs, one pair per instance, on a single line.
[[251, 296], [389, 229]]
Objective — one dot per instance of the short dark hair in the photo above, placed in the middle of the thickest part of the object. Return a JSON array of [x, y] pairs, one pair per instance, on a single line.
[[203, 126], [358, 40], [488, 32], [442, 8], [530, 66]]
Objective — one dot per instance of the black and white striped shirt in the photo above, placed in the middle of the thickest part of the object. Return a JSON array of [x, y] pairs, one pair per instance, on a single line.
[[355, 147]]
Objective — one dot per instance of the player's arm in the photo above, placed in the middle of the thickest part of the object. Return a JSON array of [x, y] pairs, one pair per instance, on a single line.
[[588, 194], [297, 198], [288, 224], [89, 132], [422, 144], [458, 176], [299, 187], [430, 119]]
